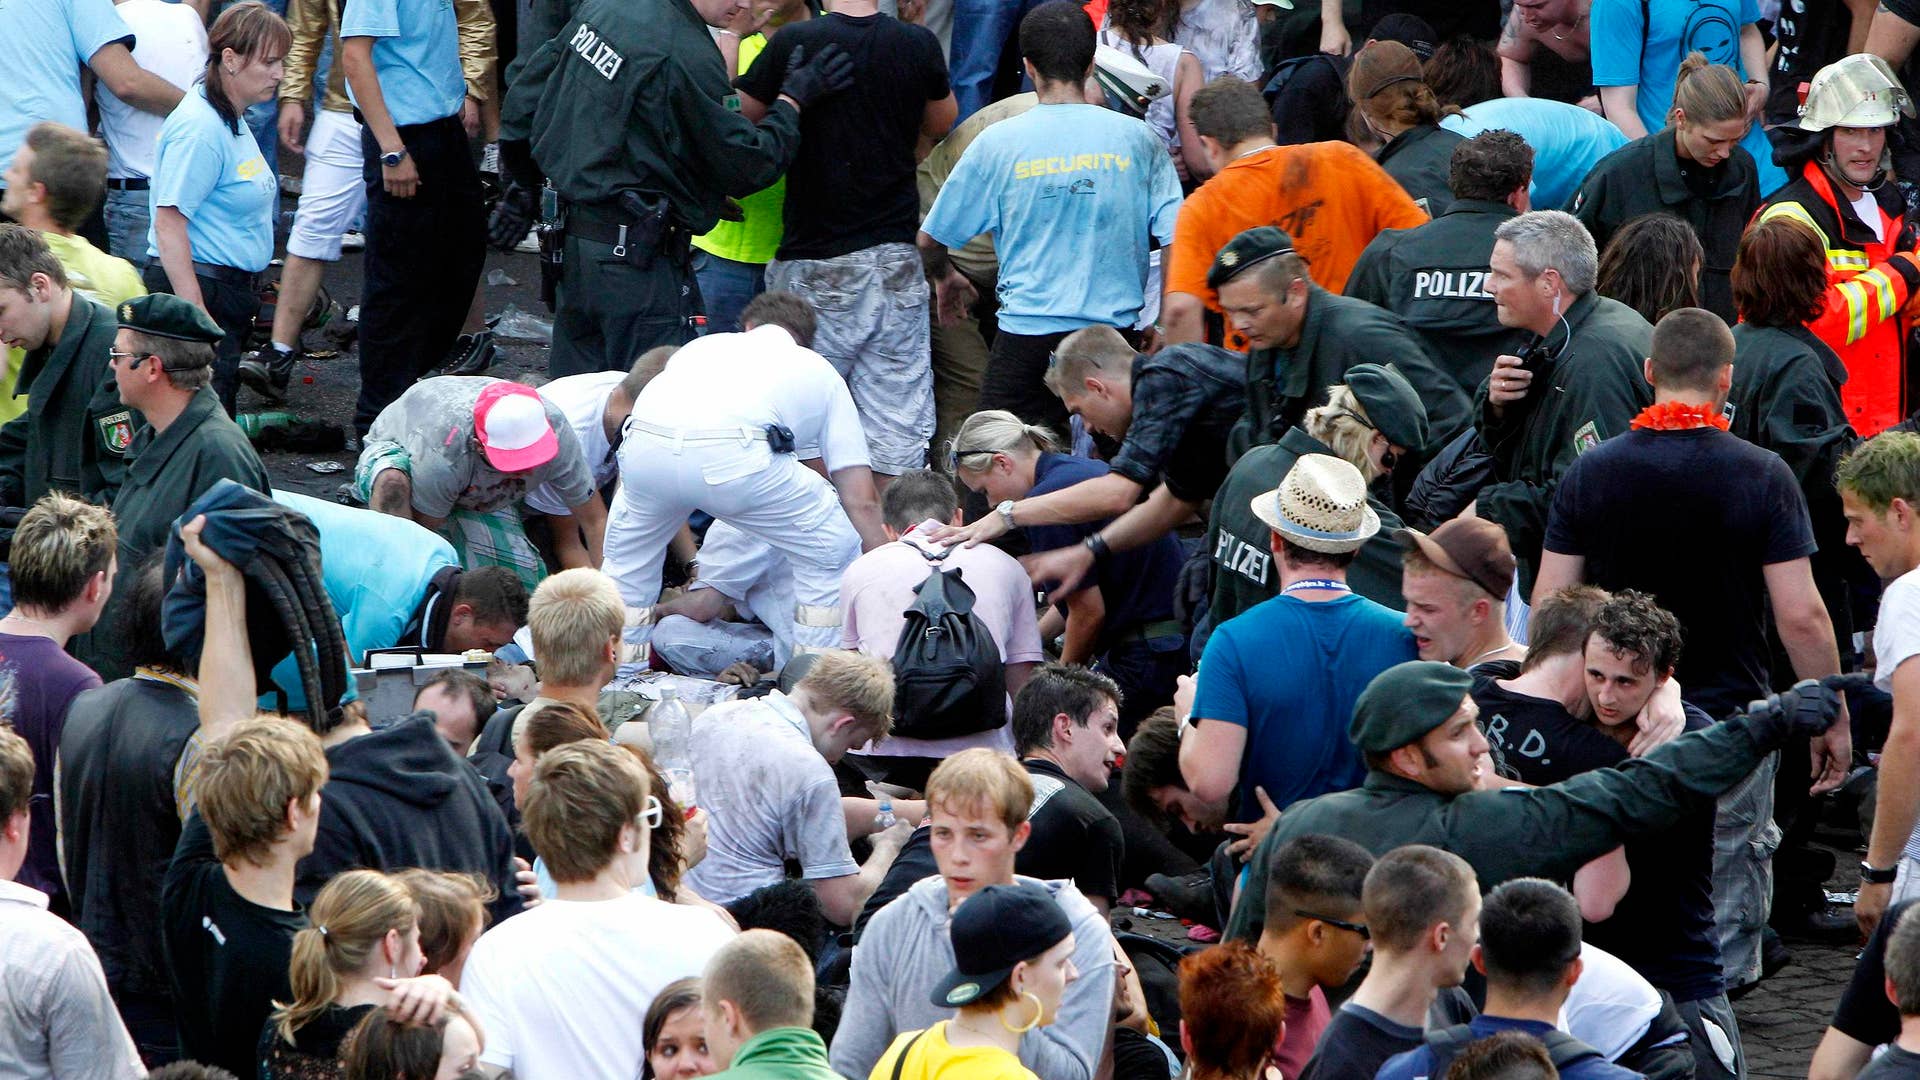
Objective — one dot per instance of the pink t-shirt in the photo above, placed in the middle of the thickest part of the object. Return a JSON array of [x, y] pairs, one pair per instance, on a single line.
[[878, 588], [1306, 1018]]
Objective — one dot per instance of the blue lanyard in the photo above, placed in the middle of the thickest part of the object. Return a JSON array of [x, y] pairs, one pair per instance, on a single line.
[[1316, 583]]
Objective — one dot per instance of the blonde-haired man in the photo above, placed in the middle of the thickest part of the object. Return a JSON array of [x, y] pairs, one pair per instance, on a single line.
[[757, 997], [977, 801], [559, 987], [62, 565], [765, 773]]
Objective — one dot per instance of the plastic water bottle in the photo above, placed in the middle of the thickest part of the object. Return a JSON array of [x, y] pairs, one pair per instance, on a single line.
[[672, 732]]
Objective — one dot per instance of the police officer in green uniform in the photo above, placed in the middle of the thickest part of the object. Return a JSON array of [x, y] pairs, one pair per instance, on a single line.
[[1435, 275], [75, 432], [1239, 543], [1304, 339], [162, 362], [628, 113], [1416, 725]]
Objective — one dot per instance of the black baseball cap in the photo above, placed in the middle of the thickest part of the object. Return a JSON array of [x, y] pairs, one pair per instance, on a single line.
[[994, 930]]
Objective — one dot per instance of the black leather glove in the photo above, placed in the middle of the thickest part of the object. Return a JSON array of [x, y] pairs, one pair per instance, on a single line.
[[1808, 709], [512, 217], [815, 77]]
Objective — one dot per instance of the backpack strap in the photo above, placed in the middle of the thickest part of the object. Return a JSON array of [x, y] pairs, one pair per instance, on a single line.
[[900, 1062], [1565, 1049], [1444, 1044]]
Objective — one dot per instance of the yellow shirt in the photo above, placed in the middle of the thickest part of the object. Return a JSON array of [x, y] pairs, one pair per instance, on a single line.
[[92, 273], [756, 236], [934, 1058]]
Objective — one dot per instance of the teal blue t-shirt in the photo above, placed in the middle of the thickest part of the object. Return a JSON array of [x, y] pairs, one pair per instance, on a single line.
[[1289, 671], [416, 55], [218, 179], [1567, 140], [1071, 194], [43, 44]]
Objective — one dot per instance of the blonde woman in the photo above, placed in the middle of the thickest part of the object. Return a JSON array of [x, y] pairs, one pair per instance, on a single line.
[[1120, 619], [361, 950]]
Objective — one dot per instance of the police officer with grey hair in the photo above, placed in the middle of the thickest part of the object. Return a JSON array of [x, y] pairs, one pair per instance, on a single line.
[[628, 115]]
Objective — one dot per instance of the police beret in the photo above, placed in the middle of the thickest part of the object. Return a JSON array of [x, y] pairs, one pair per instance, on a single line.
[[166, 315], [1250, 248], [1391, 404], [1405, 702]]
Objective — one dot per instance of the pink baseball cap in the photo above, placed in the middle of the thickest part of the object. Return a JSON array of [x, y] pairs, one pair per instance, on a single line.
[[511, 421]]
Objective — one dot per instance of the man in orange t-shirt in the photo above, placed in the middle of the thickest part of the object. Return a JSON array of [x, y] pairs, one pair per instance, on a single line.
[[1329, 196]]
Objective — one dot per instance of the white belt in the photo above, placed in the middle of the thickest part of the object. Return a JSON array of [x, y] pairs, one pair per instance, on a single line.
[[742, 433]]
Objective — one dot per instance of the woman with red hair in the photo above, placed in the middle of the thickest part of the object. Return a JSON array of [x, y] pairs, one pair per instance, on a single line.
[[1232, 1012]]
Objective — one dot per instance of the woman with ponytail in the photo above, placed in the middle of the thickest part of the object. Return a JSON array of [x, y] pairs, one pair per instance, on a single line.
[[361, 949], [1693, 169], [1392, 99], [1123, 616]]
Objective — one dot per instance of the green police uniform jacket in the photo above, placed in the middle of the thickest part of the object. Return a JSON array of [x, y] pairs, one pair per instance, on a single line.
[[75, 432], [1589, 388], [1239, 542], [165, 474], [1434, 276], [1617, 191], [1339, 332], [1420, 159], [633, 95], [1547, 832]]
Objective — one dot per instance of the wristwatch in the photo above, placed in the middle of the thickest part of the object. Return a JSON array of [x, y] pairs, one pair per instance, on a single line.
[[1005, 510], [393, 159], [1871, 875]]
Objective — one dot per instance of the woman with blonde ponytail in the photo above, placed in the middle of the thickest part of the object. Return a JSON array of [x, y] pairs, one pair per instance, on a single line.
[[360, 950], [1693, 169], [1123, 616]]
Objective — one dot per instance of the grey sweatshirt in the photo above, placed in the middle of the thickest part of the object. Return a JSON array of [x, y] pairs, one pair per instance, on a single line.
[[905, 952]]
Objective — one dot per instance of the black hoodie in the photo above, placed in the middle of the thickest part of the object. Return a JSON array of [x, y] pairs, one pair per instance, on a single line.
[[399, 797]]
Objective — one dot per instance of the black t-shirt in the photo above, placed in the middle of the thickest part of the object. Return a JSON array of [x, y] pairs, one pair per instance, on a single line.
[[1074, 837], [1690, 517], [227, 956], [1811, 35], [1356, 1043], [1864, 1013], [914, 863], [852, 184], [1534, 740]]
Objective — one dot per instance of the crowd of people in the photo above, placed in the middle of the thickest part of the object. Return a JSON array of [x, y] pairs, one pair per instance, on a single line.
[[1426, 495]]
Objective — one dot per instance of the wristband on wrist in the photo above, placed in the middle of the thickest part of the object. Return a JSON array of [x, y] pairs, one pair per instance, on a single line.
[[1873, 875], [1098, 545]]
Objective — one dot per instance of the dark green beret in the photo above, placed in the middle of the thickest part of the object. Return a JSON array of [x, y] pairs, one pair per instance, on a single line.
[[1391, 403], [1250, 248], [1405, 702], [166, 315]]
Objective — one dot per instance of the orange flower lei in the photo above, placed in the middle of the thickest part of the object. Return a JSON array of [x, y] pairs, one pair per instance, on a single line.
[[1679, 416]]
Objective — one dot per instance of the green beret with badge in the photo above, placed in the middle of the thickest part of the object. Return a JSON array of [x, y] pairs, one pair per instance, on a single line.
[[1393, 406], [1405, 702], [1245, 251], [168, 316]]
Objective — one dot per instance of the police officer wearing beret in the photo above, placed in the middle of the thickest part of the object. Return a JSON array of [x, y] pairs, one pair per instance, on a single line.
[[1388, 421], [1304, 338], [628, 113], [74, 433], [1416, 726], [162, 363]]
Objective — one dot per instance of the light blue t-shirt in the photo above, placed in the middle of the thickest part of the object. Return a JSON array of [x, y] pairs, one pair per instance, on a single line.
[[1625, 53], [217, 177], [1290, 671], [43, 44], [416, 56], [1567, 141], [1071, 194]]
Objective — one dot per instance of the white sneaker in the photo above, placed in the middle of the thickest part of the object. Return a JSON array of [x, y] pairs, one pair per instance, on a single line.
[[353, 241], [529, 243]]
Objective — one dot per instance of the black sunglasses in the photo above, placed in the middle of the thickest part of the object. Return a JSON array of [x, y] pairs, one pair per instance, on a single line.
[[1365, 934]]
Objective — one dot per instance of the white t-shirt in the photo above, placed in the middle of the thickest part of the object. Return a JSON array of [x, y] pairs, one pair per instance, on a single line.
[[1611, 1004], [169, 41], [583, 398], [1896, 638], [754, 379], [561, 988], [1868, 209], [769, 796]]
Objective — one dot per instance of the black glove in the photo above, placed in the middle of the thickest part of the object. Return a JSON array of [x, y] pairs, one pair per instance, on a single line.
[[1808, 709], [809, 79], [512, 217]]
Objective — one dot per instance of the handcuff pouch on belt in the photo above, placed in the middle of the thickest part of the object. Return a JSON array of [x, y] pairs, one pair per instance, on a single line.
[[552, 233]]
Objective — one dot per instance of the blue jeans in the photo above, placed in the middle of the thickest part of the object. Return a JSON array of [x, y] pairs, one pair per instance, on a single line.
[[980, 32], [726, 286], [129, 219]]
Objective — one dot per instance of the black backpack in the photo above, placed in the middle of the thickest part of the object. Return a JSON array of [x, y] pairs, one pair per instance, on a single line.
[[1446, 1044], [947, 674]]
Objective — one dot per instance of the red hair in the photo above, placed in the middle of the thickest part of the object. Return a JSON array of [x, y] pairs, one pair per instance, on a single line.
[[1233, 1009]]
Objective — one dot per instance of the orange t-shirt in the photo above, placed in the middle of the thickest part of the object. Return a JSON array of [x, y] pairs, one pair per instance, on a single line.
[[1329, 196]]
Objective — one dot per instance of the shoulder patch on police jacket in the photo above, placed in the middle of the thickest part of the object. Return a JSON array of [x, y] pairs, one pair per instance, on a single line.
[[1586, 438], [599, 55], [116, 431]]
